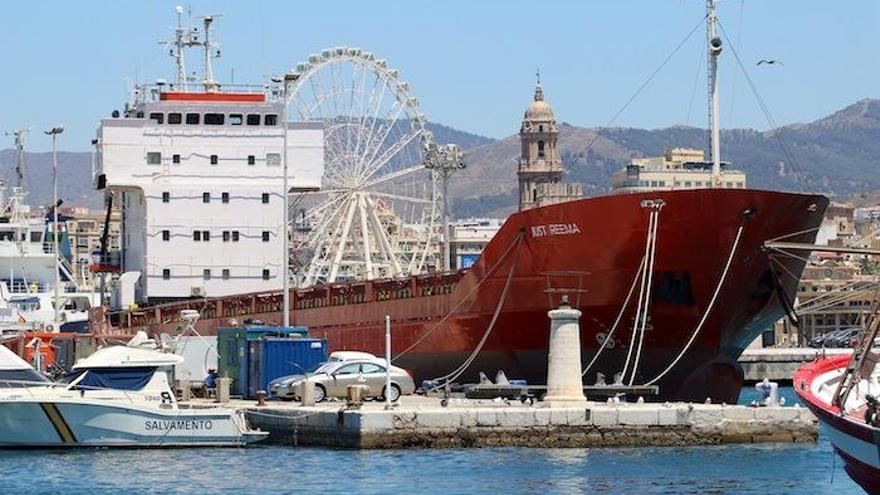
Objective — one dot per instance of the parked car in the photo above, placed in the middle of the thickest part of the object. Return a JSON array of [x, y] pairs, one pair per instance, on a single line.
[[332, 379], [821, 339], [842, 339]]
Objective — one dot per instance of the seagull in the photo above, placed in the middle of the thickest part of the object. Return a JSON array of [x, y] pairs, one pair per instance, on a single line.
[[769, 61]]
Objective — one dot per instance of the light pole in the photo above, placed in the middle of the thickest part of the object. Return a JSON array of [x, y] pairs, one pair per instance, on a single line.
[[285, 87], [54, 132], [444, 161]]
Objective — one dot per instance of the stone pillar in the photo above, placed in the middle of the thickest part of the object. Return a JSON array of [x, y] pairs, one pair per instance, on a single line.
[[564, 382]]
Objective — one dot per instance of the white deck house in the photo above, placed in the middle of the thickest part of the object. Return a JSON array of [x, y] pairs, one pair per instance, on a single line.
[[199, 177]]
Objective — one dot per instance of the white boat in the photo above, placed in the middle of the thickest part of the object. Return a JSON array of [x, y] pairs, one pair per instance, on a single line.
[[119, 396], [27, 272]]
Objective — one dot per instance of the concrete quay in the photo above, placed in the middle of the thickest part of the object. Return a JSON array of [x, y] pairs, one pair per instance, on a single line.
[[422, 422], [779, 364]]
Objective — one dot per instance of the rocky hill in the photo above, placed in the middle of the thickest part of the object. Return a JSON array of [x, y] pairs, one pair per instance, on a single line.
[[839, 155]]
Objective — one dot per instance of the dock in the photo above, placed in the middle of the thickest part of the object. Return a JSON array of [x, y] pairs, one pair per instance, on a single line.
[[423, 422], [779, 364]]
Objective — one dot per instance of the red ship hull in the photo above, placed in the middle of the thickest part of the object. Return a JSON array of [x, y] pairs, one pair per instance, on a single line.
[[591, 250]]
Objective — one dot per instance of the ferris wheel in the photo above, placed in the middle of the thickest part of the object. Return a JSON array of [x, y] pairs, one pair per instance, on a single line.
[[378, 213]]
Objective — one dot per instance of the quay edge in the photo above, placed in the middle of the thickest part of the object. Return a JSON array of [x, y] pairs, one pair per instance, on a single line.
[[486, 424]]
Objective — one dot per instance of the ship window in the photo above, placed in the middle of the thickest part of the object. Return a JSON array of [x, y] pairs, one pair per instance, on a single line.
[[225, 236], [214, 118], [252, 160], [253, 119], [206, 197], [265, 198], [175, 118], [687, 183], [265, 236], [206, 274], [192, 118], [159, 117], [154, 158], [235, 119], [226, 274], [214, 159], [36, 236], [166, 235], [175, 158], [273, 159], [197, 235], [234, 236], [166, 274], [166, 197], [270, 119], [224, 197], [265, 274], [206, 235]]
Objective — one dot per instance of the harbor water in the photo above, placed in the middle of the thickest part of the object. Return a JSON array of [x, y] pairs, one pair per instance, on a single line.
[[758, 469]]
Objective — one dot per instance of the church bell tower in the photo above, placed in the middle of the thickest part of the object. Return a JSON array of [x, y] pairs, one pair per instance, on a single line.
[[540, 172]]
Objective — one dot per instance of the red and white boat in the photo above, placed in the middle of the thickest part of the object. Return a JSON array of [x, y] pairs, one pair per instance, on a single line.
[[841, 391]]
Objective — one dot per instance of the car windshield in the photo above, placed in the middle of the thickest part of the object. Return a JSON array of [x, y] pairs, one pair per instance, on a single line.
[[318, 367]]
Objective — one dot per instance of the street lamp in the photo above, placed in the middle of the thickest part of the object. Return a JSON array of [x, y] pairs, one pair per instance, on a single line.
[[285, 82], [54, 132]]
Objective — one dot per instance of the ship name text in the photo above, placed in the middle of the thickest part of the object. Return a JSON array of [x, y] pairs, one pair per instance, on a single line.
[[555, 229]]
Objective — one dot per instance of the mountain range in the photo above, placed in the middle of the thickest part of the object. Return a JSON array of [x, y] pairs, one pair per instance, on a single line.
[[836, 155]]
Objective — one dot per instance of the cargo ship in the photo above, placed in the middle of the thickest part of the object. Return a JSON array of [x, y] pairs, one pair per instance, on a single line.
[[673, 284]]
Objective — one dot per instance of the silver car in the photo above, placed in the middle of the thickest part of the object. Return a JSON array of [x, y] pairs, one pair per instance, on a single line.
[[332, 379]]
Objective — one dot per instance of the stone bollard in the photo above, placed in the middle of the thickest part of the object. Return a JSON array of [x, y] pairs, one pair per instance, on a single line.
[[223, 386], [261, 397], [564, 382], [306, 392]]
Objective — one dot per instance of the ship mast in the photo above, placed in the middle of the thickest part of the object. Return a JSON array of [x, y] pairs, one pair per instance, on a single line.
[[714, 50], [209, 82], [19, 135], [187, 38]]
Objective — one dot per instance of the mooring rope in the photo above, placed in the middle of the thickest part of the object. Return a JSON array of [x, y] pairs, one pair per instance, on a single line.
[[619, 317], [650, 271], [708, 308], [632, 338], [464, 299], [449, 377]]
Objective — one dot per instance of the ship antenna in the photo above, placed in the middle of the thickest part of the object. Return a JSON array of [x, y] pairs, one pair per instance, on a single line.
[[714, 50]]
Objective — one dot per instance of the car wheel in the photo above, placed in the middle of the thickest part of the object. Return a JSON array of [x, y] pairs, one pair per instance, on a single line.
[[395, 393], [320, 393]]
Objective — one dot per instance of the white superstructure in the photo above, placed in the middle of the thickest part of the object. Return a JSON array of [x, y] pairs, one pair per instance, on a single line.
[[198, 175]]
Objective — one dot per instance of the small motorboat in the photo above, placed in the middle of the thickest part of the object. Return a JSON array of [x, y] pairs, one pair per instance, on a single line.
[[120, 396], [842, 391]]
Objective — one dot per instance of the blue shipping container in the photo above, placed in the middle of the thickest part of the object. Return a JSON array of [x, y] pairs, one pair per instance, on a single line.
[[235, 349], [274, 357]]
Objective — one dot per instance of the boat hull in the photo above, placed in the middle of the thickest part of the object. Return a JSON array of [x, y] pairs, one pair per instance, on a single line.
[[67, 423], [857, 443]]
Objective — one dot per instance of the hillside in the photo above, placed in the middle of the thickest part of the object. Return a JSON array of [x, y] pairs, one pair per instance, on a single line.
[[838, 154]]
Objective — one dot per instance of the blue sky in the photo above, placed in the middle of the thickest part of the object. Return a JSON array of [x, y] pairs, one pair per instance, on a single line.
[[471, 63]]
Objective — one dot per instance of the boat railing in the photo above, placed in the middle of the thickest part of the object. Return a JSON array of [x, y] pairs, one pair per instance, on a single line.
[[29, 386], [259, 303]]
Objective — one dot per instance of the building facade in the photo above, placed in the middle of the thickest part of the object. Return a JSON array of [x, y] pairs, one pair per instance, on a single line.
[[679, 168], [469, 237], [85, 228], [540, 172]]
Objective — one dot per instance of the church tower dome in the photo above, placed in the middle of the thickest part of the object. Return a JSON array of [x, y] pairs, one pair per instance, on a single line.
[[540, 173]]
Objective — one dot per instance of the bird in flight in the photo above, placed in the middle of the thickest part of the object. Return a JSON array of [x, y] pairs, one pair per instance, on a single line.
[[770, 61]]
